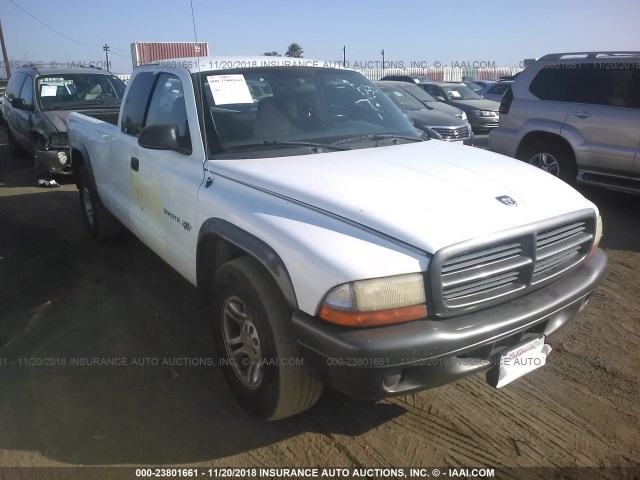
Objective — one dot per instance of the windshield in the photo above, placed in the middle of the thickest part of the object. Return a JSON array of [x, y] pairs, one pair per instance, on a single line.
[[460, 92], [402, 99], [78, 90], [275, 105], [419, 93]]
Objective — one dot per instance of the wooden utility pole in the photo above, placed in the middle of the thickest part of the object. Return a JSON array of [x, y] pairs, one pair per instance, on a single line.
[[4, 53]]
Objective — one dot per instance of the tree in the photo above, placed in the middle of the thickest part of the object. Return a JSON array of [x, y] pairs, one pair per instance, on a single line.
[[294, 50], [273, 53]]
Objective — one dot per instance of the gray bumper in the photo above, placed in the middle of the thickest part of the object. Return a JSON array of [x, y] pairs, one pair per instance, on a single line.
[[386, 361], [49, 161]]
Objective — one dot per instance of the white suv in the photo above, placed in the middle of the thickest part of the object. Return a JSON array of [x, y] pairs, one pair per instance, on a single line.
[[577, 116]]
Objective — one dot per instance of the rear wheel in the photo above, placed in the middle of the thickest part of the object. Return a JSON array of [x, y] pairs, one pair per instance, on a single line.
[[255, 344], [553, 158], [100, 223]]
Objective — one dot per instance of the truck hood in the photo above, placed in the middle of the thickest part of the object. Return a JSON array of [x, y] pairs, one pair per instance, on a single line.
[[430, 194], [58, 119]]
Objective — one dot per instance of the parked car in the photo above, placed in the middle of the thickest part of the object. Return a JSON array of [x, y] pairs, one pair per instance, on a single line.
[[472, 85], [3, 87], [495, 91], [427, 100], [408, 78], [576, 116], [332, 244], [37, 103], [438, 125], [484, 83], [482, 114]]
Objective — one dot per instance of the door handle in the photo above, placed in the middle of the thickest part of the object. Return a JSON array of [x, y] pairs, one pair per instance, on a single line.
[[135, 164], [581, 114]]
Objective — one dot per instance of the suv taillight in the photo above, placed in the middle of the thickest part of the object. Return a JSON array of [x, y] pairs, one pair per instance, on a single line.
[[505, 104]]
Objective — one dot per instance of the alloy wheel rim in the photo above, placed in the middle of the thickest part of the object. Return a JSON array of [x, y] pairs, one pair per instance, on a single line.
[[546, 162], [242, 343]]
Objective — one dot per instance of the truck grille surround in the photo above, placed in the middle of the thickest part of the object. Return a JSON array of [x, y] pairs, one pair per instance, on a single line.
[[473, 275]]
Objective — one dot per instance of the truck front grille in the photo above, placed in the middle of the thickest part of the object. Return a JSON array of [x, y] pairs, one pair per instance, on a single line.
[[473, 275], [105, 117]]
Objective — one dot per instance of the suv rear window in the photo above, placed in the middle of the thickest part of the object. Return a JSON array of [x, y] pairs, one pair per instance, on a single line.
[[554, 84]]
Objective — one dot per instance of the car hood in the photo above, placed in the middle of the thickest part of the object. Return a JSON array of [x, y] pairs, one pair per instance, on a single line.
[[434, 118], [58, 119], [444, 108], [481, 104], [430, 194]]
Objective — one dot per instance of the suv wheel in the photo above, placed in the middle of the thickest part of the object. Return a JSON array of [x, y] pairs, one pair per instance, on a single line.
[[255, 344], [553, 158]]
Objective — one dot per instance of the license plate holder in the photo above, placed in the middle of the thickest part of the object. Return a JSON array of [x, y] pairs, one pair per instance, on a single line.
[[517, 361]]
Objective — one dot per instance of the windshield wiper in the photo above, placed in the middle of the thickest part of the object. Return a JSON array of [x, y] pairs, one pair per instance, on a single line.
[[278, 143], [377, 137]]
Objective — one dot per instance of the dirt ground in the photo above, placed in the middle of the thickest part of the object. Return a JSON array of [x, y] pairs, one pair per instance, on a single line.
[[63, 296]]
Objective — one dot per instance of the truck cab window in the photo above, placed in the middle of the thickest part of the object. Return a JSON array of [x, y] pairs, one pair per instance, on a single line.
[[167, 106], [134, 107]]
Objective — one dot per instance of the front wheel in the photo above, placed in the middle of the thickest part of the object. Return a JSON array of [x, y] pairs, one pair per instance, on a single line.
[[100, 223], [255, 344], [553, 158]]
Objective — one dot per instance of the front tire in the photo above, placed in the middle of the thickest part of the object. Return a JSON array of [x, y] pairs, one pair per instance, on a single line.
[[255, 344], [14, 147], [553, 158], [100, 223], [40, 171]]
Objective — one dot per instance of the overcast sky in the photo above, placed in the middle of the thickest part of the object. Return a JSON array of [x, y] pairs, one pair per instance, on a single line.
[[500, 31]]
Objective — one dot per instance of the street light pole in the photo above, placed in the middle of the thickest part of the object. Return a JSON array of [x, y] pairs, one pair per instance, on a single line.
[[106, 53], [4, 53], [382, 52], [344, 56]]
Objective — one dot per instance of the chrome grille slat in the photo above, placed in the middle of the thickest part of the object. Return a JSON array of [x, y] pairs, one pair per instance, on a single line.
[[484, 271], [481, 256], [450, 132], [484, 284], [554, 260]]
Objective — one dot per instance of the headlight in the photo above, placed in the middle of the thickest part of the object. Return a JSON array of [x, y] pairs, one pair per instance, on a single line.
[[58, 140], [463, 116], [429, 132], [598, 235], [379, 301]]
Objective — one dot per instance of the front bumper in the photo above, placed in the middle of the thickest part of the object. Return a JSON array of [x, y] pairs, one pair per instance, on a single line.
[[52, 162], [394, 360], [483, 123]]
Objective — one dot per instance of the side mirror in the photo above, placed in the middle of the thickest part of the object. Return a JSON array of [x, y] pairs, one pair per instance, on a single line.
[[161, 136], [21, 105], [439, 98]]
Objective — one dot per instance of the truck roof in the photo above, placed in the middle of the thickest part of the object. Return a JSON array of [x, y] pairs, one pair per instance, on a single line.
[[196, 64]]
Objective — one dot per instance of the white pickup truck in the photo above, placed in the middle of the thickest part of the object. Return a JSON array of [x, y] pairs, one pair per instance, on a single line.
[[334, 245]]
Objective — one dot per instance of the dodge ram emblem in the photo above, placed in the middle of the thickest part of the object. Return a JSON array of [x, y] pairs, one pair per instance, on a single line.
[[507, 200]]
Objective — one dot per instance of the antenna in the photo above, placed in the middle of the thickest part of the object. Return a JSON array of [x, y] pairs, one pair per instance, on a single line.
[[203, 120]]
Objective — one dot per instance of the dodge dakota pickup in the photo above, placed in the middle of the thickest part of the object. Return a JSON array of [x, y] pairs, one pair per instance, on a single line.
[[333, 244]]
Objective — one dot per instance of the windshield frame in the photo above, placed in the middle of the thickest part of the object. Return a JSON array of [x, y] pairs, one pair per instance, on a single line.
[[116, 85], [319, 80]]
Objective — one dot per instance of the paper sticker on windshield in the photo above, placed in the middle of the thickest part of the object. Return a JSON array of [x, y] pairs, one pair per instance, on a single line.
[[455, 93], [48, 91], [228, 89]]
